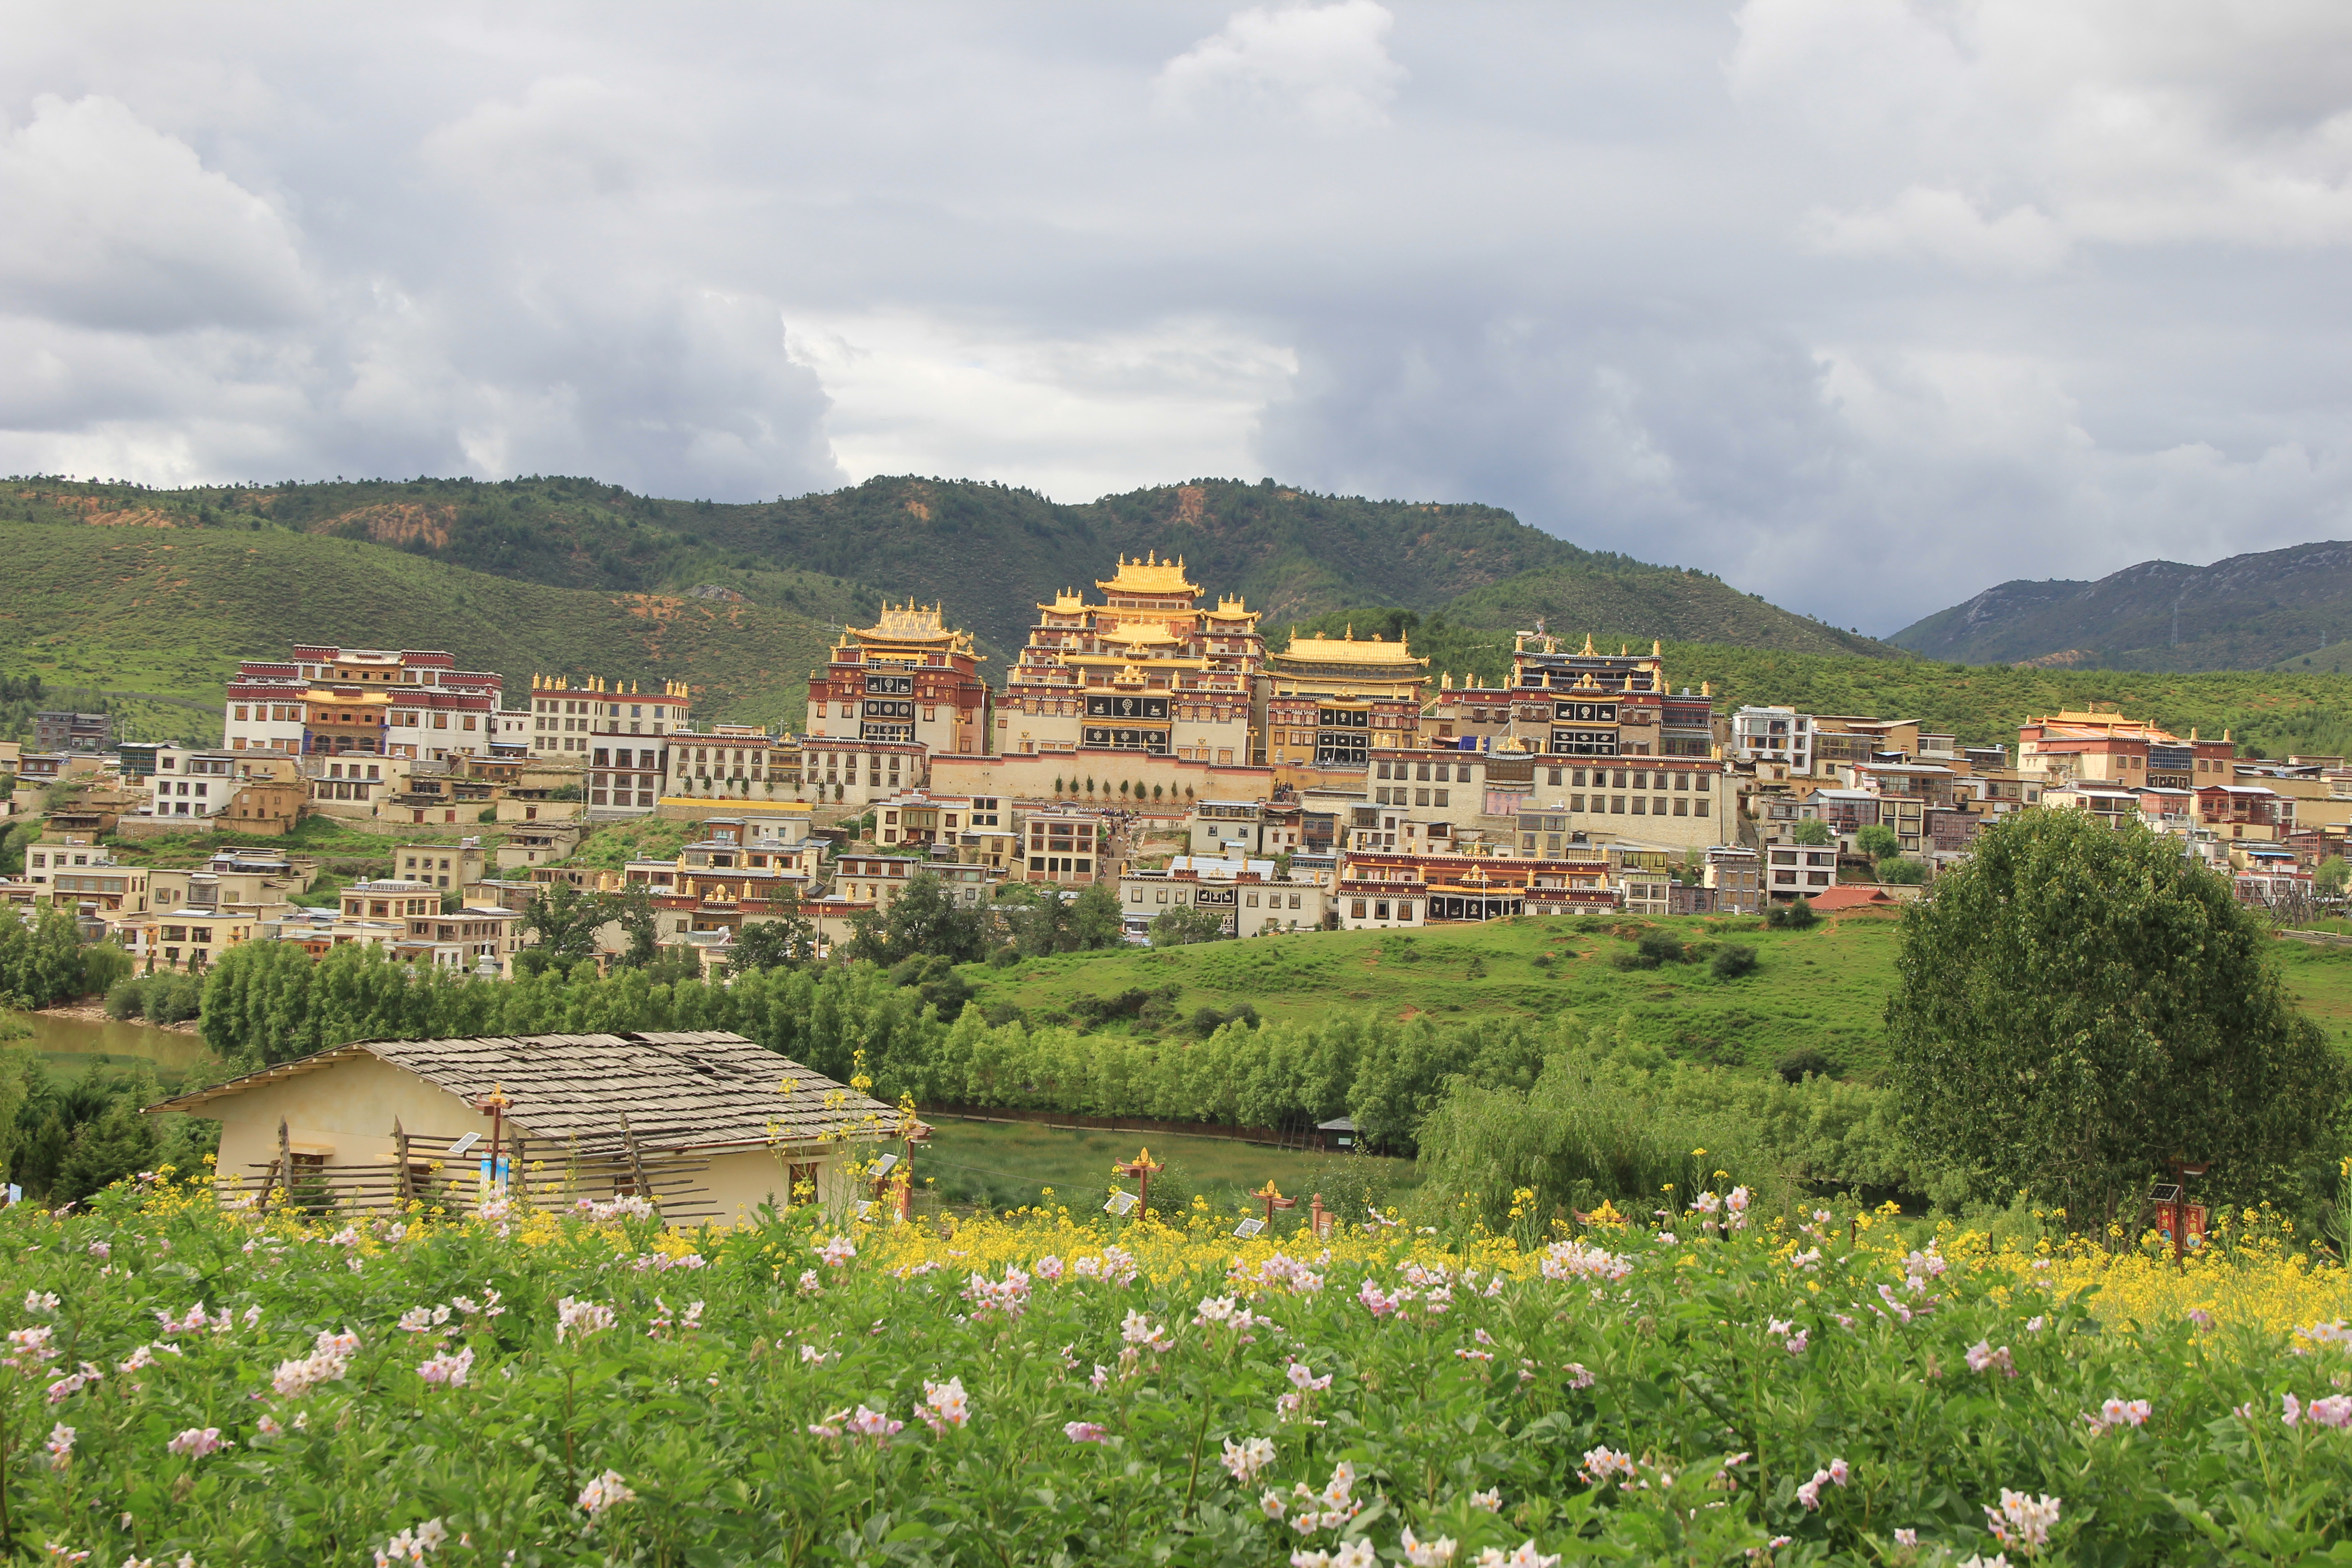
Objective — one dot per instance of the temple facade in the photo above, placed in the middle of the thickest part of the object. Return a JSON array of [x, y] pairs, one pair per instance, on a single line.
[[1328, 702], [908, 680], [1150, 671]]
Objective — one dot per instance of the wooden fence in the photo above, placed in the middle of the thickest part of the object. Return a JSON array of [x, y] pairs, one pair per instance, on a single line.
[[540, 1174]]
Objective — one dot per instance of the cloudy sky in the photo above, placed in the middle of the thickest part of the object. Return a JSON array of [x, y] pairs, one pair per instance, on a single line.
[[1863, 305]]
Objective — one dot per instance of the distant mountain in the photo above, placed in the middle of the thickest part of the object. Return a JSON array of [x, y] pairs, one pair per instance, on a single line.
[[2249, 612], [989, 553]]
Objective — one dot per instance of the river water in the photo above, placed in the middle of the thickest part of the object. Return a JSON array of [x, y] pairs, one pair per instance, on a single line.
[[74, 1046]]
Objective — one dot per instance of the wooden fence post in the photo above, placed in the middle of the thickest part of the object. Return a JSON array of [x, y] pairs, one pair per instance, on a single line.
[[636, 1161], [403, 1190]]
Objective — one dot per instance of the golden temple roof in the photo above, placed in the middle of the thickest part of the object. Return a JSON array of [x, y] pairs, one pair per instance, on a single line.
[[1349, 650], [911, 623], [1137, 633], [1150, 576]]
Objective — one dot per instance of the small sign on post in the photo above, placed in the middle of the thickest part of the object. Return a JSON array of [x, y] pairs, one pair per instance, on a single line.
[[1250, 1226], [1121, 1203]]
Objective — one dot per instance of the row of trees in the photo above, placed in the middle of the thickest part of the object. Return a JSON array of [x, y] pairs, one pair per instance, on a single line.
[[268, 1003], [44, 960]]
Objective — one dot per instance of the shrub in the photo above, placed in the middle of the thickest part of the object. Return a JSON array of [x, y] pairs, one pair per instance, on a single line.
[[1791, 917], [1733, 961], [1004, 957], [1804, 1063], [1661, 947]]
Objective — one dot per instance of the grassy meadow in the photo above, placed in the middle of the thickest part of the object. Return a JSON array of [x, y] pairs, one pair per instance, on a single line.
[[1825, 988]]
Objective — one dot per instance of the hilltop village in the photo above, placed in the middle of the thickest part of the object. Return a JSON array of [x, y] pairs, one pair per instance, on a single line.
[[1147, 740]]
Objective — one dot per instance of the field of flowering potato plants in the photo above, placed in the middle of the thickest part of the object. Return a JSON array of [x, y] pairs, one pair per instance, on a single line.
[[188, 1386]]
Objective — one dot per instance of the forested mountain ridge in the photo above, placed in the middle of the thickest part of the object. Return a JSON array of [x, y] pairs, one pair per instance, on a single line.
[[987, 551], [2247, 612]]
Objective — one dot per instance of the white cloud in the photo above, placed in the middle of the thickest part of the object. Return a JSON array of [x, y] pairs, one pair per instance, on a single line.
[[1944, 226], [1857, 302], [112, 223], [1326, 66], [1071, 418]]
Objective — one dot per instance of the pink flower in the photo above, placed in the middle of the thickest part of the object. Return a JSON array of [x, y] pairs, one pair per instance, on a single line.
[[2335, 1410], [1084, 1432], [2117, 1412], [1982, 1357], [944, 1405], [196, 1442], [1601, 1463], [580, 1318], [449, 1369], [60, 1444], [837, 1252], [1242, 1461]]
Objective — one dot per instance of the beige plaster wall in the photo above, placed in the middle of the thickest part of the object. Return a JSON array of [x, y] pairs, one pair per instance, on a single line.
[[347, 1107]]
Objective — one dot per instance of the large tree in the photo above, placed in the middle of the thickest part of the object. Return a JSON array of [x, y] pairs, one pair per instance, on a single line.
[[2078, 1005]]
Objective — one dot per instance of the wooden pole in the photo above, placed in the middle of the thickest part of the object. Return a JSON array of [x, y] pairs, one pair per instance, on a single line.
[[636, 1161], [403, 1188], [284, 1160]]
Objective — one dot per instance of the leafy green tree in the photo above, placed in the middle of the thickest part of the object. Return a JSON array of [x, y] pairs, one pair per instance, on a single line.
[[1181, 925], [2332, 876], [1878, 842], [2077, 1006], [632, 907], [565, 920], [1894, 870], [1813, 830], [1095, 918], [925, 919], [787, 942]]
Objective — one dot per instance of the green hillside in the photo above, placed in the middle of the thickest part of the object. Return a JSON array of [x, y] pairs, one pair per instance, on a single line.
[[168, 611], [989, 553], [1822, 989]]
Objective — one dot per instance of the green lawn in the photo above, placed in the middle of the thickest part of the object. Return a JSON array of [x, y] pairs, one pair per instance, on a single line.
[[1011, 1164], [1824, 988]]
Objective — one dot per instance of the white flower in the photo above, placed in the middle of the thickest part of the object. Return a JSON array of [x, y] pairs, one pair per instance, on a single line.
[[1242, 1461], [1427, 1553], [2022, 1521], [449, 1369], [40, 1301], [580, 1318], [838, 1251], [60, 1444], [1490, 1499], [603, 1492]]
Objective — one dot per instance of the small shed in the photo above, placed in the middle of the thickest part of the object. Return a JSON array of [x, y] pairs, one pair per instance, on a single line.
[[1340, 1132], [710, 1126]]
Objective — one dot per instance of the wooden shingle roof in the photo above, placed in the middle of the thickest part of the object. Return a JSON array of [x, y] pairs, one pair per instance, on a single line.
[[698, 1089]]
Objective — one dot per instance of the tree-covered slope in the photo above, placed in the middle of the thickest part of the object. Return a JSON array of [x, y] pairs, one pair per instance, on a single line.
[[169, 611], [990, 553], [2244, 613]]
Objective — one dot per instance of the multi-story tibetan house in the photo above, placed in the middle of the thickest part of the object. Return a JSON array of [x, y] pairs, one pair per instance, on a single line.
[[1149, 671], [391, 702], [908, 680], [1592, 704], [1330, 702]]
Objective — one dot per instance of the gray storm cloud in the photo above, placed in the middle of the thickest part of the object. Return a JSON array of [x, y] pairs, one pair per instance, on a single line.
[[1863, 305]]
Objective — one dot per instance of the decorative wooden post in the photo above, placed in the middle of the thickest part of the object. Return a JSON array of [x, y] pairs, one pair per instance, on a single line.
[[1140, 1168], [1273, 1200], [518, 1164], [1319, 1218]]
